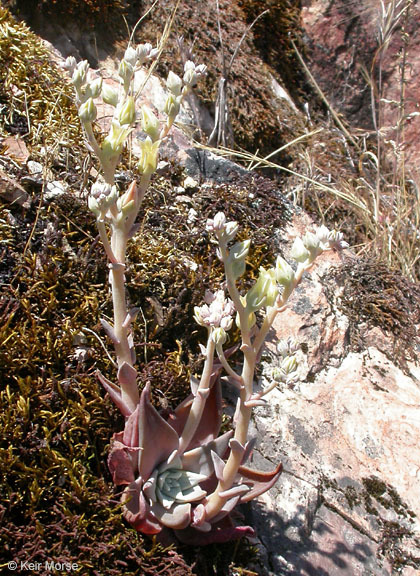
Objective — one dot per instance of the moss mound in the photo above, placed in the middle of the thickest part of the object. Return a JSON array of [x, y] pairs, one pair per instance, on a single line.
[[258, 121]]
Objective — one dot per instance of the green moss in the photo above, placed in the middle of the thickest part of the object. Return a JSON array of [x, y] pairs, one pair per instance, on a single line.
[[375, 295], [35, 97]]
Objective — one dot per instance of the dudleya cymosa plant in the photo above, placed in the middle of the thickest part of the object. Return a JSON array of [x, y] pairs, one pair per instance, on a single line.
[[179, 474]]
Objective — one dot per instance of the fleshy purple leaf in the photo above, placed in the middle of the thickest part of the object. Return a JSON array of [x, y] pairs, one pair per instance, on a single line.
[[114, 393], [137, 511], [156, 438], [259, 482], [120, 464]]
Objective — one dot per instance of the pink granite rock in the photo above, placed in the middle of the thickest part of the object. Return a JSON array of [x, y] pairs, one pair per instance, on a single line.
[[349, 438], [342, 41]]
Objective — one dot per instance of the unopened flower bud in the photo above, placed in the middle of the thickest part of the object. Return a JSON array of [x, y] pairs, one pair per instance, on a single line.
[[264, 292], [93, 89], [311, 243], [231, 230], [80, 74], [299, 252], [174, 84], [126, 73], [101, 198], [127, 115], [149, 156], [190, 77], [287, 347], [87, 111], [322, 234], [109, 95], [172, 106], [289, 364], [193, 72], [198, 317], [217, 223], [219, 336], [143, 52], [130, 56], [70, 64], [149, 123], [284, 272], [226, 323], [113, 143]]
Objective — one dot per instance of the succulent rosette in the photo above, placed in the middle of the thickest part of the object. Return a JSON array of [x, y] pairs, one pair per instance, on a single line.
[[166, 490]]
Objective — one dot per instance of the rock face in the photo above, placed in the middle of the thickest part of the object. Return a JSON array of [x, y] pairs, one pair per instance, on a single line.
[[348, 435], [342, 40]]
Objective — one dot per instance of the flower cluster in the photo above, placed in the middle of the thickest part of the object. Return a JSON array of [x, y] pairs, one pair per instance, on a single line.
[[179, 87], [216, 312]]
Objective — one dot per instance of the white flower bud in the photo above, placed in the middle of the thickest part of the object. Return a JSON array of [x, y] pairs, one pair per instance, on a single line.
[[109, 95], [230, 231], [149, 156], [87, 111], [113, 143], [126, 73], [219, 221], [93, 89], [299, 252], [70, 64], [101, 198], [289, 364], [284, 272], [143, 52], [322, 234], [287, 347], [219, 336], [80, 74], [130, 56], [311, 243], [127, 114], [149, 123], [198, 316], [172, 106], [264, 292], [174, 84]]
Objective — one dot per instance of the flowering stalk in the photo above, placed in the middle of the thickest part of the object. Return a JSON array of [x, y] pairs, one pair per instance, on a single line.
[[269, 295], [116, 213]]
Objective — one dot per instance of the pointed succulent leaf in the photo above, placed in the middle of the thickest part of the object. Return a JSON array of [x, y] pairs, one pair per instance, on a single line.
[[237, 490], [259, 482], [200, 459], [157, 438], [219, 465], [120, 464], [114, 393]]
